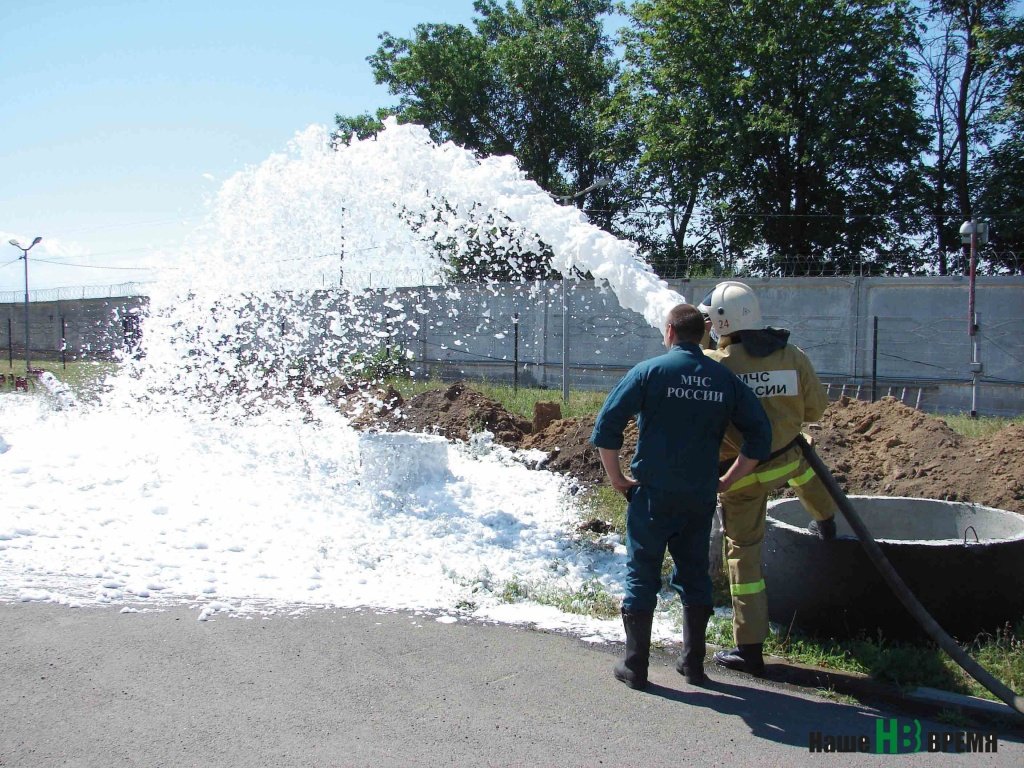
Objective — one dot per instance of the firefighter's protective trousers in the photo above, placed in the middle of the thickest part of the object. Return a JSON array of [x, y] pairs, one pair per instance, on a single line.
[[744, 507], [786, 384]]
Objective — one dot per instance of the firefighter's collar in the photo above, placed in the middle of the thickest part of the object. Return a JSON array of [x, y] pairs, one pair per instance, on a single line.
[[762, 343]]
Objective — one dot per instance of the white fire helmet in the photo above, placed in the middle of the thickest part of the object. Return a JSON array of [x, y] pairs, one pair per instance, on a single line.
[[732, 307]]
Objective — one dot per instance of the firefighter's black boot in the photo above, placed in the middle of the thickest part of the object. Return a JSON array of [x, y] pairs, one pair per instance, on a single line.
[[632, 670], [823, 529], [744, 658], [690, 663]]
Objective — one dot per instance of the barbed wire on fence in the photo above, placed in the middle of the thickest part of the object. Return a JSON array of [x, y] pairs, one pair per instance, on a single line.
[[76, 292], [989, 263]]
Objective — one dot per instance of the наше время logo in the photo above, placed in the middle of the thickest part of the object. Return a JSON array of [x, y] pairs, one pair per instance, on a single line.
[[894, 736]]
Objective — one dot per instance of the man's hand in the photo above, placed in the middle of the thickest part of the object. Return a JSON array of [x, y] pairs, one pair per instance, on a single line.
[[623, 485], [742, 467], [617, 480]]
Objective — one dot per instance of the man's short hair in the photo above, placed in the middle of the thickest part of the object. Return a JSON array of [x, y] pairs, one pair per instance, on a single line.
[[687, 322]]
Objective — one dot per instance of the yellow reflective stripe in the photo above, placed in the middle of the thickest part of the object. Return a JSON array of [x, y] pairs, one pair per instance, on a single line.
[[749, 588], [765, 477], [774, 474], [743, 482], [806, 477]]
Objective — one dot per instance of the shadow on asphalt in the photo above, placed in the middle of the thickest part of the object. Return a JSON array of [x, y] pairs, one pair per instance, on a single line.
[[786, 718], [779, 717]]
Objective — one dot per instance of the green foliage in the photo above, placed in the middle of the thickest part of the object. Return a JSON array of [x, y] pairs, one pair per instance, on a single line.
[[907, 664], [581, 403], [1000, 173], [782, 133], [970, 72], [513, 591], [719, 631], [744, 137], [84, 378], [602, 502], [390, 362], [362, 126], [590, 598], [528, 79], [1001, 191], [445, 82], [839, 698], [979, 427], [489, 248], [1002, 654]]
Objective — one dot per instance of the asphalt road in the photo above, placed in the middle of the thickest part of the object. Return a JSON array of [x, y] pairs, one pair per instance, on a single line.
[[95, 687]]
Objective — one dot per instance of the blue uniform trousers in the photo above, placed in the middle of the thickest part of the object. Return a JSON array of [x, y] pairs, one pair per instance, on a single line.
[[656, 520]]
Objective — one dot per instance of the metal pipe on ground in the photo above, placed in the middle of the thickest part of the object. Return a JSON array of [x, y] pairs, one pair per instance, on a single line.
[[899, 588]]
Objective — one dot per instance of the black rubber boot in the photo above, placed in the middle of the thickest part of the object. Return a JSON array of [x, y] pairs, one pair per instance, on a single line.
[[745, 658], [690, 663], [823, 529], [632, 670]]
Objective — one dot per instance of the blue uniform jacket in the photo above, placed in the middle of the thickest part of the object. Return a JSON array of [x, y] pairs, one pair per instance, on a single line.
[[683, 402]]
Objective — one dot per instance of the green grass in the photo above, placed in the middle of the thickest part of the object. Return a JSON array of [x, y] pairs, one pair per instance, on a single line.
[[605, 503], [905, 664], [915, 664], [519, 402], [588, 599], [982, 426], [82, 377], [839, 698]]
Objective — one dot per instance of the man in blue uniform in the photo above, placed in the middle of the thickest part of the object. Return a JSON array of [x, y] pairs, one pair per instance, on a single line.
[[683, 402]]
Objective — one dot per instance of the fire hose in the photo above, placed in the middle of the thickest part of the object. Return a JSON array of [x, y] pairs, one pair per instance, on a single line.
[[900, 589]]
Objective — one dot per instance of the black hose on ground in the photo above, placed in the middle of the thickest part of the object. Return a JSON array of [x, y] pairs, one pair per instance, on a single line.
[[899, 587]]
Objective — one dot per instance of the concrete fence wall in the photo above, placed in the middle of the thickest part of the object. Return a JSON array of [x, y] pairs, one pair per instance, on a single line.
[[92, 329], [921, 350], [921, 353]]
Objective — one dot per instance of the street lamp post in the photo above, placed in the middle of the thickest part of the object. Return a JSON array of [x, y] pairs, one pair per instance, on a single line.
[[24, 255], [598, 184], [975, 233]]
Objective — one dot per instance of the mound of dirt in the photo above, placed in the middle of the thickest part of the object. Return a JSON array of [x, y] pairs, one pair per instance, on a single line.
[[887, 448], [567, 443], [882, 448], [455, 412]]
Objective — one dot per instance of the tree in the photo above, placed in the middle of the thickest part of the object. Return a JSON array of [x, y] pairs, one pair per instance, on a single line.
[[1000, 174], [784, 132], [362, 126], [444, 82], [528, 80], [486, 247], [965, 60], [663, 155]]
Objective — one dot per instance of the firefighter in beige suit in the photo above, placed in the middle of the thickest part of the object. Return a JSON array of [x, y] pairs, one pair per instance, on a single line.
[[786, 384]]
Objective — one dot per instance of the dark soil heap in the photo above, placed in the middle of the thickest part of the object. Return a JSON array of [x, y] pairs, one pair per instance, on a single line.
[[882, 448], [455, 412], [887, 448]]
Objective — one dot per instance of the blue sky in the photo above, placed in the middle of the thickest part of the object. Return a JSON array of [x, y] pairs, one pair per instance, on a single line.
[[122, 118]]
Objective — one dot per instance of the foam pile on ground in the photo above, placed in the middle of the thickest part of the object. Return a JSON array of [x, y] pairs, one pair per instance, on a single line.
[[272, 514]]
